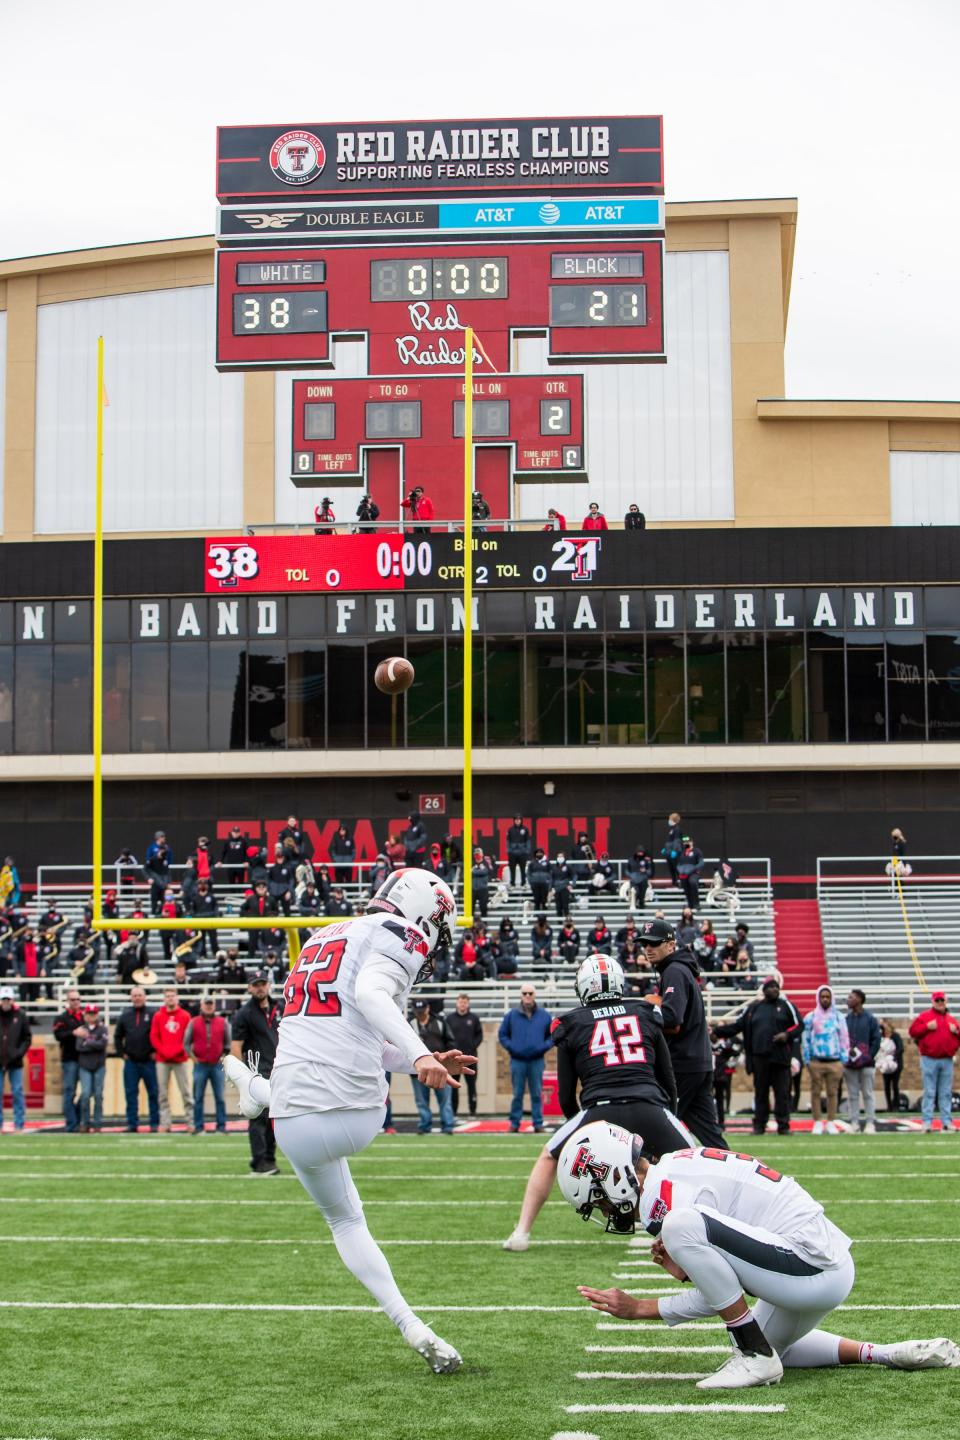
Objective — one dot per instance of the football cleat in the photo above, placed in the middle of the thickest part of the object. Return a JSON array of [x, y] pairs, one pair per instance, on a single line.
[[442, 1358], [519, 1240], [241, 1075], [923, 1355], [742, 1371]]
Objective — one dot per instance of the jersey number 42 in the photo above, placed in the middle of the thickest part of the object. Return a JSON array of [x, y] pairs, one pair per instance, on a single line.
[[619, 1041], [304, 991]]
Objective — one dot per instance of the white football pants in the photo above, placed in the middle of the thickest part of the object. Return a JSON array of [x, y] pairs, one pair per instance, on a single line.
[[725, 1257], [316, 1146]]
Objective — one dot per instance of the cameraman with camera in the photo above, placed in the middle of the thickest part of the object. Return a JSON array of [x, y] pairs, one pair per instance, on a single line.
[[368, 512]]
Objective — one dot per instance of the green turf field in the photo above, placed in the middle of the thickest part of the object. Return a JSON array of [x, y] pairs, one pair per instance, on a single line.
[[154, 1221]]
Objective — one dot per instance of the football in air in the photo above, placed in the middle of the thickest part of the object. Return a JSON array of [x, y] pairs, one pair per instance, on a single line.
[[393, 676]]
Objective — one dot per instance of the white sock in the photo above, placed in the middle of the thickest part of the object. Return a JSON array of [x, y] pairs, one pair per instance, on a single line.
[[260, 1089], [871, 1354]]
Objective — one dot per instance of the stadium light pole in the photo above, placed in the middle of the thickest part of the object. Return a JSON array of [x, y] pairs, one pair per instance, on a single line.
[[468, 625]]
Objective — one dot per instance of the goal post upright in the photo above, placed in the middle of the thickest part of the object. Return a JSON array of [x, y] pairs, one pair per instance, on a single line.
[[97, 682], [468, 627]]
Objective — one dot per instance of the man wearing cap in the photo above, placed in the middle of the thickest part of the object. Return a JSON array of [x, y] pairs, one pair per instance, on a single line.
[[167, 1030], [937, 1034], [233, 856], [206, 1041], [432, 1031], [65, 1027], [15, 1037], [685, 1027], [92, 1039], [131, 1040], [256, 1028], [156, 869], [769, 1027]]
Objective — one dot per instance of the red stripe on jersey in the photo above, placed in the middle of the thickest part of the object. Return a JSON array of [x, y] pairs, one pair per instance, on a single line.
[[666, 1193], [554, 1023]]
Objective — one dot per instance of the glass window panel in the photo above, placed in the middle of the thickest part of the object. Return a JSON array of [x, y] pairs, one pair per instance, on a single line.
[[116, 619], [266, 697], [6, 700], [6, 623], [306, 697], [149, 692], [585, 717], [705, 690], [543, 672], [504, 612], [866, 689], [825, 657], [426, 720], [346, 684], [455, 691], [116, 699], [72, 700], [665, 689], [189, 690], [626, 723], [786, 708], [504, 690], [31, 700], [906, 685], [941, 605], [71, 620], [943, 686], [228, 696], [745, 688]]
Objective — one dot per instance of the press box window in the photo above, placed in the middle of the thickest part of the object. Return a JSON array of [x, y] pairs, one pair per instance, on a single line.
[[393, 420], [320, 422], [490, 417]]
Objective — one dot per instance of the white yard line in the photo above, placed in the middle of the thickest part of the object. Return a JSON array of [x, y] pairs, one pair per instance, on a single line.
[[574, 1435], [301, 1200], [293, 1241], [714, 1408], [641, 1374], [224, 1306], [418, 1173], [657, 1349]]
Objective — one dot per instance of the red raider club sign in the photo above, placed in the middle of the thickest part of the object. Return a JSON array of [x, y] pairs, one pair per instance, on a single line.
[[622, 154]]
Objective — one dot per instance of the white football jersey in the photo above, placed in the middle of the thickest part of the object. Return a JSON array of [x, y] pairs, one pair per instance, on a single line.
[[329, 1056], [742, 1188]]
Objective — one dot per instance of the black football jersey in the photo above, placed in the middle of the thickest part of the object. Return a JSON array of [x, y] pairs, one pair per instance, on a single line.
[[617, 1050]]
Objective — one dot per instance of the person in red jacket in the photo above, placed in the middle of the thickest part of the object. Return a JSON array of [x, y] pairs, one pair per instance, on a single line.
[[167, 1029], [937, 1034], [208, 1038], [555, 521], [593, 520], [421, 509]]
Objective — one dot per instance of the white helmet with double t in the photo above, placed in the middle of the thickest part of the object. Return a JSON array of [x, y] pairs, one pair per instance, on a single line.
[[599, 978], [597, 1170], [422, 898]]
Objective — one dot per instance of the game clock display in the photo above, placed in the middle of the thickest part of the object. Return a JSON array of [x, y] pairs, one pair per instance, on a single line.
[[412, 304]]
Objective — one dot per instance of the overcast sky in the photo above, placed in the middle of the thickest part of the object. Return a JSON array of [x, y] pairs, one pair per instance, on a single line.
[[108, 112]]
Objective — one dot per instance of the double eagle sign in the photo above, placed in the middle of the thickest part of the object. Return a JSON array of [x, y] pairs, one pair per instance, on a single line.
[[402, 235]]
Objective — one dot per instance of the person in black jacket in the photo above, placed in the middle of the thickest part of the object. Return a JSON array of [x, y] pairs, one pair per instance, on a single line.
[[481, 872], [634, 519], [568, 942], [466, 1033], [204, 905], [131, 1040], [615, 1048], [539, 873], [343, 853], [673, 848], [639, 872], [255, 1033], [432, 1032], [261, 905], [685, 1026], [415, 841], [368, 512], [541, 941], [769, 1027], [293, 839], [581, 858], [15, 1039], [561, 876], [282, 879], [233, 856], [518, 850]]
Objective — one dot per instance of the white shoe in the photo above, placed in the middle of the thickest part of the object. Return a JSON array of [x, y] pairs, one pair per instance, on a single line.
[[240, 1075], [924, 1355], [869, 1128], [519, 1240], [817, 1127], [741, 1371], [441, 1357]]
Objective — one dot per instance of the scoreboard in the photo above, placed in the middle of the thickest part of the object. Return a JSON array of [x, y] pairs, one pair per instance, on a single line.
[[283, 307], [406, 235], [336, 423]]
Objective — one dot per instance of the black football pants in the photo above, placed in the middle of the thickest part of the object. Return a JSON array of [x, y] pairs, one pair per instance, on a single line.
[[697, 1108], [766, 1076]]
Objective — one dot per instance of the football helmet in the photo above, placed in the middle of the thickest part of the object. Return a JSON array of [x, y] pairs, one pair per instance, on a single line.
[[597, 1170], [425, 900], [599, 978]]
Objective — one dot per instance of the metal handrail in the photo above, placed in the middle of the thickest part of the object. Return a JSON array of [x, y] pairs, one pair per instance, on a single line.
[[436, 526]]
